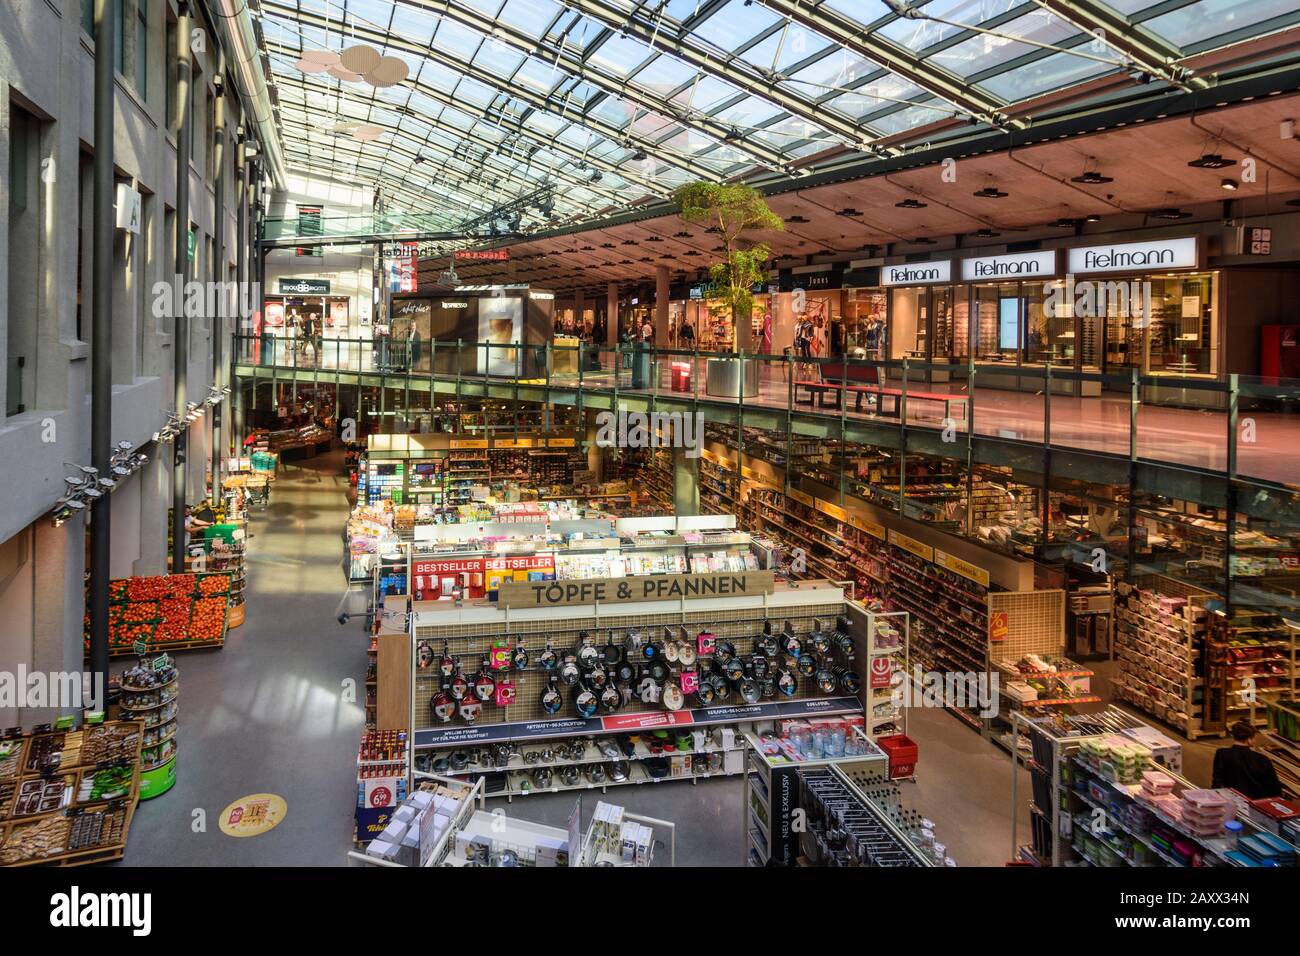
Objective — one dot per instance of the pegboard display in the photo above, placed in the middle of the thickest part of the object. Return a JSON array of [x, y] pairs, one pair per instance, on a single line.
[[1035, 623], [470, 643]]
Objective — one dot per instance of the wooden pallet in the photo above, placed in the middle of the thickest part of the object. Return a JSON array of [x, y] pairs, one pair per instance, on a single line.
[[169, 647]]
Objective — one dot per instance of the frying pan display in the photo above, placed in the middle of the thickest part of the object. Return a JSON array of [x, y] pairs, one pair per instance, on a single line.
[[585, 700], [552, 700], [442, 706]]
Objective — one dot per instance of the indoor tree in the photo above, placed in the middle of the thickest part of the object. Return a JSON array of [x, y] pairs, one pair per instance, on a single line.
[[733, 210]]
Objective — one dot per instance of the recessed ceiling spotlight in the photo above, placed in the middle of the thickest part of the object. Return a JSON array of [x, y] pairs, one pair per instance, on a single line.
[[1211, 161], [1229, 184], [989, 192], [1092, 178], [910, 203], [1092, 217], [1169, 212], [1065, 222]]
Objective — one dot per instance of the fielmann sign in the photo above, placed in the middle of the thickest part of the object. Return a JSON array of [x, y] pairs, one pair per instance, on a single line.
[[657, 587]]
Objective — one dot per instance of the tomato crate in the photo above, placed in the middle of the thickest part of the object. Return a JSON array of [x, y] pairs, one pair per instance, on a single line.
[[903, 755]]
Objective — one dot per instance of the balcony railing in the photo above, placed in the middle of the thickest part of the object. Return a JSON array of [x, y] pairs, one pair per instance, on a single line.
[[1239, 426]]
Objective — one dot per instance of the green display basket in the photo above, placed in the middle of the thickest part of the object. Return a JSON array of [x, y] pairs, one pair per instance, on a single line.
[[156, 782]]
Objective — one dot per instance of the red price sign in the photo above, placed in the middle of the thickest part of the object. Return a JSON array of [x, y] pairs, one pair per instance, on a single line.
[[999, 626], [881, 671]]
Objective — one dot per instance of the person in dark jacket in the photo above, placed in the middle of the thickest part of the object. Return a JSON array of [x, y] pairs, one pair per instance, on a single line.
[[1239, 767]]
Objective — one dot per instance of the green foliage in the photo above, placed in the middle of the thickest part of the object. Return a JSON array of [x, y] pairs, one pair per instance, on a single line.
[[731, 210]]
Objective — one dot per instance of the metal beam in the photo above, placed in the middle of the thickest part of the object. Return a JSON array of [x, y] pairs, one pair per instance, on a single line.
[[574, 63], [514, 126], [570, 62], [658, 35], [852, 36], [1136, 43]]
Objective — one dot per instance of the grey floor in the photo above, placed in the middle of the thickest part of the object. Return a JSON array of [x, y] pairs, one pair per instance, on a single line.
[[268, 714]]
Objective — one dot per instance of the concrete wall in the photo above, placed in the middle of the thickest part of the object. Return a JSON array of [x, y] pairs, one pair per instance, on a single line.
[[46, 72]]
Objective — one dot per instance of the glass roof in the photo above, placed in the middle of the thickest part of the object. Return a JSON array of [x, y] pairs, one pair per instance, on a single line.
[[614, 102]]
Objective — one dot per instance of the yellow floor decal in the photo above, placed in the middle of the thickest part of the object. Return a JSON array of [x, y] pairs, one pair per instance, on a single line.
[[253, 815]]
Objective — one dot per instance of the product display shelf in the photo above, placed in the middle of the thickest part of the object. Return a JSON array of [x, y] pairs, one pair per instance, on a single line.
[[772, 796], [1082, 815], [1250, 661], [164, 611], [1281, 743], [63, 766], [157, 709], [524, 723], [718, 493], [888, 642]]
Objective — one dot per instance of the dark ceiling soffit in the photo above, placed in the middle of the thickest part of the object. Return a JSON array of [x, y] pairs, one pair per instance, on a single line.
[[1168, 105]]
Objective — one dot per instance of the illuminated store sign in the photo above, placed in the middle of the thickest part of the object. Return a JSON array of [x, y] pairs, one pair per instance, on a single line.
[[1020, 265], [1135, 256], [917, 273]]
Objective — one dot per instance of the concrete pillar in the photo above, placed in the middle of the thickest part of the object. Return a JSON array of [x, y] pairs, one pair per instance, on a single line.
[[57, 604], [611, 314], [578, 306], [686, 483], [155, 497], [661, 307]]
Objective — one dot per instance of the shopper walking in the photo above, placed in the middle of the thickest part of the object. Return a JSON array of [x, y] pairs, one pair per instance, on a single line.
[[1240, 767], [686, 335], [413, 345]]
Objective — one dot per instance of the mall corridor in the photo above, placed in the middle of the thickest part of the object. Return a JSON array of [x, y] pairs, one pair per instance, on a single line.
[[269, 712]]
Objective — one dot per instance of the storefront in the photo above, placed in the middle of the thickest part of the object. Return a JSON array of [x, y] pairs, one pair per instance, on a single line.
[[498, 315], [865, 307], [921, 311], [1151, 307]]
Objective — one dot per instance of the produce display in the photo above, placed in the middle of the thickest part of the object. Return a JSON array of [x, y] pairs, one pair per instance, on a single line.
[[168, 611], [67, 796]]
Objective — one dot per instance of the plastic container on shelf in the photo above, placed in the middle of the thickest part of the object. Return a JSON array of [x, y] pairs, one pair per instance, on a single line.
[[903, 755]]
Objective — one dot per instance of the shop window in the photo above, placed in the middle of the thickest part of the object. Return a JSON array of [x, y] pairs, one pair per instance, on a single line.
[[997, 322], [1049, 332], [1182, 325], [119, 35], [909, 309], [88, 16]]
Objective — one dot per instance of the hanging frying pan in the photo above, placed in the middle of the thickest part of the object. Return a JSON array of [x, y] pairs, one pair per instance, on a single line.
[[588, 654], [658, 671], [734, 669], [791, 645], [849, 681], [610, 698], [569, 670], [806, 665], [686, 654], [485, 686], [625, 673], [597, 678], [787, 683], [673, 696], [585, 700], [552, 700], [825, 681], [459, 685], [767, 644], [548, 660], [721, 688], [442, 706], [519, 659], [724, 651], [469, 708], [704, 693], [750, 691], [612, 653], [446, 666], [423, 655], [758, 665]]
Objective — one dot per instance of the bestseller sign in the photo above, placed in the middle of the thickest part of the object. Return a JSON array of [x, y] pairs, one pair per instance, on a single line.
[[654, 587]]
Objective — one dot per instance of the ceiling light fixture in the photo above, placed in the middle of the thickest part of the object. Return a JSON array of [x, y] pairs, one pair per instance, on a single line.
[[989, 192], [1092, 178], [849, 211], [1211, 161], [911, 203], [1229, 184], [985, 233], [1169, 212]]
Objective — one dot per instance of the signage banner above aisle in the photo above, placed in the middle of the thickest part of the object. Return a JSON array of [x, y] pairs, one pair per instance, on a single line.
[[917, 273], [964, 568], [1018, 265], [1136, 256], [658, 587], [912, 545]]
